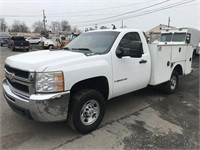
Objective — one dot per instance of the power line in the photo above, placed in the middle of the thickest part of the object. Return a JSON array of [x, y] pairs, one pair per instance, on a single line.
[[84, 11], [125, 12], [82, 15], [143, 13], [103, 8]]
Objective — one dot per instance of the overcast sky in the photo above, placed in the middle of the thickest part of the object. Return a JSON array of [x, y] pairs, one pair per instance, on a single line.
[[142, 14]]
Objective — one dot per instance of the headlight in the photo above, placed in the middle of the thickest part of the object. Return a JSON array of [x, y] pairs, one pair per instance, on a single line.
[[49, 82]]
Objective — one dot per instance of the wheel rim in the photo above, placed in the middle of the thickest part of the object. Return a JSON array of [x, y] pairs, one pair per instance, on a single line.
[[173, 82], [89, 112]]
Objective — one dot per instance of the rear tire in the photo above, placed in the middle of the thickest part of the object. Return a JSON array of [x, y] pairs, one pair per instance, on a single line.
[[171, 86], [86, 110]]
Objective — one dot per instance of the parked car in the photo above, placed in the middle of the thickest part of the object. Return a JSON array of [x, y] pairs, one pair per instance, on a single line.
[[35, 40], [4, 39], [53, 42], [18, 42]]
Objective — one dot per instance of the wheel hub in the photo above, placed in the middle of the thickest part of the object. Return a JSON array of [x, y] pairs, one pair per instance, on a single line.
[[173, 82], [89, 112]]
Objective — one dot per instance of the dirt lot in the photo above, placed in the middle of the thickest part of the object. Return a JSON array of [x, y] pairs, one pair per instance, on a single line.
[[146, 119]]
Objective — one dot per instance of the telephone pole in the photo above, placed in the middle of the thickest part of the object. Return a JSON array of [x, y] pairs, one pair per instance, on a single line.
[[44, 20], [122, 24], [169, 21]]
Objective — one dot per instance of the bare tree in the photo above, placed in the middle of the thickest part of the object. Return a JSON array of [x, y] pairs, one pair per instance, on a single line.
[[55, 26], [3, 24], [65, 26], [18, 26], [76, 30], [38, 27], [103, 27]]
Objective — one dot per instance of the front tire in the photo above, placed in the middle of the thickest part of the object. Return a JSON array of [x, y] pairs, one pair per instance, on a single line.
[[87, 110], [50, 47], [171, 86]]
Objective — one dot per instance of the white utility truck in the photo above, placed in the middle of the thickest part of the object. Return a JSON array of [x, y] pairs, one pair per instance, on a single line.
[[74, 83], [179, 36]]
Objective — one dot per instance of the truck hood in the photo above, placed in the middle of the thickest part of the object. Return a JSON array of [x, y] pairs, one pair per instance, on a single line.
[[38, 61]]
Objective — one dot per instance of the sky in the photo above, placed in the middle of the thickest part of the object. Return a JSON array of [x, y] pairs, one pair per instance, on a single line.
[[137, 14]]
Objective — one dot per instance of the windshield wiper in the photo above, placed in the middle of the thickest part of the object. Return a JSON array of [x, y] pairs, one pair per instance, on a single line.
[[67, 48], [82, 49]]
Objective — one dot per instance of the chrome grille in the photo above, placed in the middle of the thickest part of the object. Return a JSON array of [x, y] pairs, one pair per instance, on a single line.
[[21, 82], [17, 72]]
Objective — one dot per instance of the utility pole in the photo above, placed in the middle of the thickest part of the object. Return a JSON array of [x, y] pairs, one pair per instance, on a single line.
[[169, 21], [44, 20], [96, 26], [122, 24]]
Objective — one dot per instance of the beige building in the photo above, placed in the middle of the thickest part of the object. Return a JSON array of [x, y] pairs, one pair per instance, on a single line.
[[26, 35]]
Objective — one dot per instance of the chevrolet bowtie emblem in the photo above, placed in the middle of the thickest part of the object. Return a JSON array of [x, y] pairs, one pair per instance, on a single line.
[[11, 76]]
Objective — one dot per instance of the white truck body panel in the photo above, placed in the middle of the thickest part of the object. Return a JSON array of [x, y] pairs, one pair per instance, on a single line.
[[82, 68], [165, 58]]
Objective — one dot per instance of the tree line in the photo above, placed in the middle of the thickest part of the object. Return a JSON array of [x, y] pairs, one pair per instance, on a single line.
[[37, 26]]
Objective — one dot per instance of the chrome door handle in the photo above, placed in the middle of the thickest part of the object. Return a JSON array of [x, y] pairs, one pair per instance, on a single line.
[[142, 61]]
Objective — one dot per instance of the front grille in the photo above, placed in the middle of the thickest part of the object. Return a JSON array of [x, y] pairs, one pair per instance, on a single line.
[[19, 86], [20, 81], [17, 72]]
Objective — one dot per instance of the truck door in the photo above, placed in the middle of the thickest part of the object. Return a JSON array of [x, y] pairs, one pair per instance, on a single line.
[[130, 73]]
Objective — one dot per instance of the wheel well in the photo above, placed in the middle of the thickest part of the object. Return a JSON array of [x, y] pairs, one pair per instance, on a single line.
[[97, 83], [179, 69]]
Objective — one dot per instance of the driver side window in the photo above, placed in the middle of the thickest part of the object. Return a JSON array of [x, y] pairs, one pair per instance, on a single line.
[[128, 39], [130, 45]]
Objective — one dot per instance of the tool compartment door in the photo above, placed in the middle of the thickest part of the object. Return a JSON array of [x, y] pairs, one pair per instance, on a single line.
[[178, 53], [160, 61]]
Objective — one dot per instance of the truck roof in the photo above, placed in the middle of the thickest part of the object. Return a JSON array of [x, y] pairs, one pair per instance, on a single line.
[[118, 30]]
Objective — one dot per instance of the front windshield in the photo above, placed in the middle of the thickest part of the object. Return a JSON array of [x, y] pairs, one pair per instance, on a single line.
[[95, 42], [179, 37], [166, 37]]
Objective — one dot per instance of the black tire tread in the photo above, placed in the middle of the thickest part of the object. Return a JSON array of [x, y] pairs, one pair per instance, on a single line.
[[166, 86], [73, 105]]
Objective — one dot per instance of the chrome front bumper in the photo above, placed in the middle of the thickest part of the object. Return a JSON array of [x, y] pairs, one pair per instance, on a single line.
[[40, 107]]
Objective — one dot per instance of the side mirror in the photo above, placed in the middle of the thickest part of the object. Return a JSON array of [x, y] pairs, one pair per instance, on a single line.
[[188, 37], [119, 52], [134, 49]]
